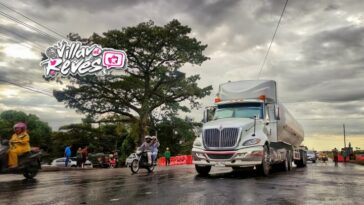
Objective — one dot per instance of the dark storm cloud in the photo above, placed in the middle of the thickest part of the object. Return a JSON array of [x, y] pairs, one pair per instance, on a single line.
[[209, 14], [22, 71], [19, 34], [342, 45], [270, 10], [89, 5]]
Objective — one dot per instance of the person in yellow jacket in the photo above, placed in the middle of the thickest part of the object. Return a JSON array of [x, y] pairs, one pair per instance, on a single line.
[[19, 144]]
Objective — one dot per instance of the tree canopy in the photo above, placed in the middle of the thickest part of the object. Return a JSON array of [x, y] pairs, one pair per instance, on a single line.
[[152, 80]]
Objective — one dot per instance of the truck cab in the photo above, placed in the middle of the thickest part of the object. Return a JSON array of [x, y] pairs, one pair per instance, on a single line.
[[242, 130]]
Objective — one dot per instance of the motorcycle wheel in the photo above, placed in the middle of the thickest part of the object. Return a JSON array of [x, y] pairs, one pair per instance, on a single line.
[[134, 166], [30, 174]]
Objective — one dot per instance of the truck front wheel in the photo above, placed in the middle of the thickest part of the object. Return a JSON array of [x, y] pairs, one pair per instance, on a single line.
[[264, 168], [203, 170]]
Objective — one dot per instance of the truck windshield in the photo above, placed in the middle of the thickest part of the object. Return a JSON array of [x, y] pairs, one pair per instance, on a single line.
[[239, 110]]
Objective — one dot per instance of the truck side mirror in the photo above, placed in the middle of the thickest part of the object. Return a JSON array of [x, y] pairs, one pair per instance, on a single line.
[[208, 114], [276, 112], [205, 116]]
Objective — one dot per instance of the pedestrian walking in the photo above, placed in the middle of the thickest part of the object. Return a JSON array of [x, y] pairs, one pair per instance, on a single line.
[[335, 154], [79, 157], [84, 155], [112, 161], [344, 154], [67, 153], [167, 155], [116, 156]]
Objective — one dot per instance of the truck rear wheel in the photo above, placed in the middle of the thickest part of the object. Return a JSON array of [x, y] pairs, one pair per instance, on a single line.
[[289, 161], [264, 168], [203, 170], [287, 165]]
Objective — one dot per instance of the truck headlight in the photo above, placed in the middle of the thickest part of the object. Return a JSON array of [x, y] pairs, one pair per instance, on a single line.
[[197, 143], [251, 142]]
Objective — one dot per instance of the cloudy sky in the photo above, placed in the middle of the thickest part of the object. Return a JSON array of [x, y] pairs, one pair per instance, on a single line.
[[316, 58]]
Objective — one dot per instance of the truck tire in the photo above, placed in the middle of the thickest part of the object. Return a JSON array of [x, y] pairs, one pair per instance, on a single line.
[[301, 163], [264, 168], [203, 170], [304, 161], [285, 165], [289, 161]]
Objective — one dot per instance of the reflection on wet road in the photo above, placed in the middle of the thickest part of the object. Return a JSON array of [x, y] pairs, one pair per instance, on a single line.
[[317, 184]]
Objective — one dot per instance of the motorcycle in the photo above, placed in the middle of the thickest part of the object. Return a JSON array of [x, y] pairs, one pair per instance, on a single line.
[[28, 163], [138, 160]]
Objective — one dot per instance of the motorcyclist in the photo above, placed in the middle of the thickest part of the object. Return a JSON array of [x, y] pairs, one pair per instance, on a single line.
[[155, 145], [19, 144], [147, 147]]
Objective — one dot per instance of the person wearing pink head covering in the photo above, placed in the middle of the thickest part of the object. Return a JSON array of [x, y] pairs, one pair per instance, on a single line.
[[19, 144]]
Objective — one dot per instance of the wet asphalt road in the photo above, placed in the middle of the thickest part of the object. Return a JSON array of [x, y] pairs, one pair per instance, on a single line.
[[317, 184]]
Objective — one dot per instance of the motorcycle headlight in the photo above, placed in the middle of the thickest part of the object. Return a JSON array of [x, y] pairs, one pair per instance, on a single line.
[[251, 142]]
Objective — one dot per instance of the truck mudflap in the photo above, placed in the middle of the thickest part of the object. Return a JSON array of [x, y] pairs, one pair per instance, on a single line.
[[246, 157]]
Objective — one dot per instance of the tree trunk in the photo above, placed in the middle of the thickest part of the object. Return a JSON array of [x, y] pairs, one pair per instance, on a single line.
[[142, 127]]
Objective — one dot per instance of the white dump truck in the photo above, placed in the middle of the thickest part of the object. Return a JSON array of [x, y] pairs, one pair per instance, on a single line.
[[248, 127]]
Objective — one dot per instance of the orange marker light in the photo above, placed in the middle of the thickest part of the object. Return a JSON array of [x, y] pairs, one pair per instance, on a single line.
[[217, 99], [262, 97]]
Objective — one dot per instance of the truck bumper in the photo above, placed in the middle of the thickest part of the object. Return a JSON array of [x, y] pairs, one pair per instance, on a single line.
[[245, 157]]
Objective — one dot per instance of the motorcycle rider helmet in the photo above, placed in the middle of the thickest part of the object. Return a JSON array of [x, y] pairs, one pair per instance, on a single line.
[[154, 137], [20, 125], [148, 138]]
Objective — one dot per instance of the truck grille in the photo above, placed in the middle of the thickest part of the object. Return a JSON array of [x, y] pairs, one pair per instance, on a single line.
[[226, 138], [220, 156]]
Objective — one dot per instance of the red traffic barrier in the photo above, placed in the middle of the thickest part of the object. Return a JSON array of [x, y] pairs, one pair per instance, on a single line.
[[176, 160], [359, 157], [341, 158]]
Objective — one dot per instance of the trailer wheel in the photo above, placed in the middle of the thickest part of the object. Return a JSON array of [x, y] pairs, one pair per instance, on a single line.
[[304, 160], [289, 161], [285, 165], [264, 168], [203, 171]]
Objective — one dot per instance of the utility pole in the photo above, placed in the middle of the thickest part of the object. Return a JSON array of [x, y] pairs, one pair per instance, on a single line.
[[344, 136]]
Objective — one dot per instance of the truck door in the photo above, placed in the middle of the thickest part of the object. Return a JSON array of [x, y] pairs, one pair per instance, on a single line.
[[271, 124]]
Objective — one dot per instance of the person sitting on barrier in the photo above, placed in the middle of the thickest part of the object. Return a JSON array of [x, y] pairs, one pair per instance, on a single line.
[[19, 144], [147, 147], [155, 145]]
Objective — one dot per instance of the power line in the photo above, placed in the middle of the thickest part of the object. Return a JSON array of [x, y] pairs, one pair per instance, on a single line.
[[28, 26], [32, 20], [28, 88], [23, 44], [35, 45], [274, 35]]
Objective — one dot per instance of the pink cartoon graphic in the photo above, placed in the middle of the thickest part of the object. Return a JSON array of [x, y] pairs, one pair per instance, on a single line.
[[114, 59], [51, 69]]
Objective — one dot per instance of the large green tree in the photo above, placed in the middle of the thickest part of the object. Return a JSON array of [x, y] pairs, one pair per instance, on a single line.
[[177, 134], [39, 131], [152, 81]]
